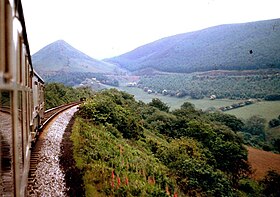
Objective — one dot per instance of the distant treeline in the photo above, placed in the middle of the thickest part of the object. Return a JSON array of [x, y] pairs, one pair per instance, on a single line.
[[58, 94], [75, 78], [272, 97], [265, 86]]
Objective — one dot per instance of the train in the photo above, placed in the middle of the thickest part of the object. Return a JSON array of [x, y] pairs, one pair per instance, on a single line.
[[21, 100]]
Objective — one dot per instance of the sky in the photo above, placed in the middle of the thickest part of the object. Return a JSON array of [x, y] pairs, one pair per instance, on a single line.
[[107, 28]]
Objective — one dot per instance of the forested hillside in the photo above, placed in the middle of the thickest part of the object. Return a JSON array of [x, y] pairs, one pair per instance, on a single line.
[[129, 148], [245, 46], [233, 85]]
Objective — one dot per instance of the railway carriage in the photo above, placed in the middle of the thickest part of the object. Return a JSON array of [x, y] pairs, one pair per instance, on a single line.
[[21, 100]]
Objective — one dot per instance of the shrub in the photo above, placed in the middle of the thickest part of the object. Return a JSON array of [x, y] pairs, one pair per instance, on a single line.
[[271, 184]]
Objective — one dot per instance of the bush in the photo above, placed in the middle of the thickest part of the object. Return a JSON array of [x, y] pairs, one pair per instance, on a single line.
[[274, 123], [250, 187], [271, 184], [110, 107]]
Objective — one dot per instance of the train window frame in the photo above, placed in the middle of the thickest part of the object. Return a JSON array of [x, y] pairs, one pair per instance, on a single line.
[[2, 39], [19, 59], [8, 42]]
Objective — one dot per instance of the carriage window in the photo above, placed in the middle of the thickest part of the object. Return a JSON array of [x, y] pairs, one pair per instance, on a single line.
[[24, 66], [26, 70], [20, 62], [6, 156], [5, 99], [20, 132]]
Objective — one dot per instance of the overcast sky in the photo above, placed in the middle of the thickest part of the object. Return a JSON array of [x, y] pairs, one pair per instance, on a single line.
[[106, 28]]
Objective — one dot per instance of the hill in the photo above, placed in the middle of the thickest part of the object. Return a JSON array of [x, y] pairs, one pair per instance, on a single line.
[[244, 46], [59, 56], [128, 148]]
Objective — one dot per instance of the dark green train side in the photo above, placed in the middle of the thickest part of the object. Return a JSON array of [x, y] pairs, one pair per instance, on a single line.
[[21, 100]]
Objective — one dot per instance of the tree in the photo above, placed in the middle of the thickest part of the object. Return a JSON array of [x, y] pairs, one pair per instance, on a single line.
[[276, 144], [57, 94], [229, 120], [256, 126], [159, 104], [187, 160], [274, 122]]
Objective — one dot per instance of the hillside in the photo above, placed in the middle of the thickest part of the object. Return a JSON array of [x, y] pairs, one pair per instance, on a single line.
[[128, 148], [263, 161], [244, 46], [60, 57]]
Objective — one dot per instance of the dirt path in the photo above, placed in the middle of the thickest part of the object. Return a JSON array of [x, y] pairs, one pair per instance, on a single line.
[[262, 161]]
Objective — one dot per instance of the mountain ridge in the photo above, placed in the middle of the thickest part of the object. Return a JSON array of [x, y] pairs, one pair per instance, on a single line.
[[240, 46]]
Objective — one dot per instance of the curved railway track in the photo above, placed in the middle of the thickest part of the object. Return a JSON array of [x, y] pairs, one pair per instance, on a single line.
[[48, 116], [51, 113]]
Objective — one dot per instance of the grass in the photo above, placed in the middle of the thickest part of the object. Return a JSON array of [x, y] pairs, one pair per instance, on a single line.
[[175, 102], [265, 109]]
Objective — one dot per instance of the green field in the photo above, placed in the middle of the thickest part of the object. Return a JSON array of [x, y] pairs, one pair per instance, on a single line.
[[266, 109], [175, 102]]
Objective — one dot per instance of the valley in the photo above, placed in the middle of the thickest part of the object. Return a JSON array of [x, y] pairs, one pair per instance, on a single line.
[[266, 109], [172, 92]]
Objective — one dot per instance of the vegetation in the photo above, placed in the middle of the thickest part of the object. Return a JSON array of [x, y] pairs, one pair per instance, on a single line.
[[267, 110], [258, 133], [57, 94], [129, 148], [235, 85], [271, 184]]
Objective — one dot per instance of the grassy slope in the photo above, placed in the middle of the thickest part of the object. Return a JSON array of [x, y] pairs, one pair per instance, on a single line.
[[105, 155], [130, 162]]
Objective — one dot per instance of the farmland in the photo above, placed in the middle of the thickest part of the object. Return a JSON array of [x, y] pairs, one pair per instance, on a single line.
[[175, 102], [266, 109]]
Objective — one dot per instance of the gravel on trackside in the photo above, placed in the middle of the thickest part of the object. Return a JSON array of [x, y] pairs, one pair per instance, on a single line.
[[54, 174]]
